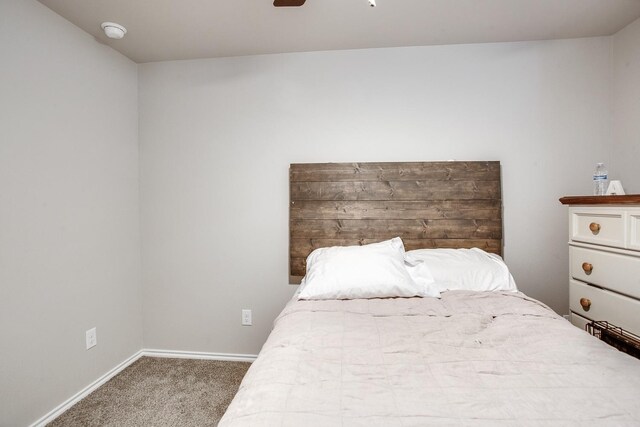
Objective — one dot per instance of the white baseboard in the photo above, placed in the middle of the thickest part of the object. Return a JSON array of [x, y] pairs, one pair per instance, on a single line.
[[60, 409], [175, 354]]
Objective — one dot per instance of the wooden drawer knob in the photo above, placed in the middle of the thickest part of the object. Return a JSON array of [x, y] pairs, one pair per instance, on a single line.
[[588, 268], [594, 227], [585, 303]]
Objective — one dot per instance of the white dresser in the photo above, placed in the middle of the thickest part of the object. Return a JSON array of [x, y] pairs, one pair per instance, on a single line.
[[604, 260]]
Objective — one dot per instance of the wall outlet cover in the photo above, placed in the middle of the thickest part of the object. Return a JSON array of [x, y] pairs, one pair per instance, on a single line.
[[246, 317], [91, 338]]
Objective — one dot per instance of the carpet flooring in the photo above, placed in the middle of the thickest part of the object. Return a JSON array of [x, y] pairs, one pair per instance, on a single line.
[[160, 392]]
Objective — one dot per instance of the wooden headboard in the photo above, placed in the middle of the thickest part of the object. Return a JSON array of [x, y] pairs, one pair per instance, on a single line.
[[427, 204]]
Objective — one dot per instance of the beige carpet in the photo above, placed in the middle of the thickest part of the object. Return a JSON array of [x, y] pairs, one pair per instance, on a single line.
[[160, 392]]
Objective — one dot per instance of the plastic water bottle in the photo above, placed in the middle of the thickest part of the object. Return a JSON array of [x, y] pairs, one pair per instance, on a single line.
[[600, 178]]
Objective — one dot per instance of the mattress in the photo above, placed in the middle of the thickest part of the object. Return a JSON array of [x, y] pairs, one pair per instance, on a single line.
[[469, 358]]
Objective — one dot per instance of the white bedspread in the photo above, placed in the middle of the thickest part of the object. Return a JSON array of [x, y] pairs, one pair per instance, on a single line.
[[481, 359]]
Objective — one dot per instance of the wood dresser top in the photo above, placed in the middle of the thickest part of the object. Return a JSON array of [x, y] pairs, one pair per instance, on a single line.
[[601, 200]]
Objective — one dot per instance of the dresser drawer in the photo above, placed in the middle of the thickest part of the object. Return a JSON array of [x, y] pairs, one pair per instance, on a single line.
[[601, 228], [579, 321], [617, 272], [634, 231], [605, 305]]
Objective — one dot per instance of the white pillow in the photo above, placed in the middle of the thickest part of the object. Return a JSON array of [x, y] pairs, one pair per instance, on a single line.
[[465, 269], [421, 276], [350, 272]]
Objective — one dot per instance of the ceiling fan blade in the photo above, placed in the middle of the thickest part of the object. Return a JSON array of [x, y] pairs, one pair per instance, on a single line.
[[288, 3]]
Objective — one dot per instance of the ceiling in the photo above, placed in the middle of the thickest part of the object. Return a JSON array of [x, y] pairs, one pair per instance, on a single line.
[[160, 30]]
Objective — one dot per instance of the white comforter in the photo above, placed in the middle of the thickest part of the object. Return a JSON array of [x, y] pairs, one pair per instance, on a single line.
[[481, 359]]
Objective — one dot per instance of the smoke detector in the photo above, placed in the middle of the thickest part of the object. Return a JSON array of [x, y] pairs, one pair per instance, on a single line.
[[113, 30]]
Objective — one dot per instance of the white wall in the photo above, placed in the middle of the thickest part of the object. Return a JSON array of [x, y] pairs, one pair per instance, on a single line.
[[626, 108], [69, 219], [217, 137]]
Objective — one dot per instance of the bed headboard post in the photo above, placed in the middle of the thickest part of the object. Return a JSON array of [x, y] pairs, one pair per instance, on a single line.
[[428, 204]]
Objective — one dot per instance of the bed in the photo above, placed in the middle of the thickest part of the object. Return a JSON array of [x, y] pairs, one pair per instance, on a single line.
[[467, 358]]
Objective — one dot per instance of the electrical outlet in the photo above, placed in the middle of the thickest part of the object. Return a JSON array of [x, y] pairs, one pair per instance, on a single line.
[[92, 338], [246, 318]]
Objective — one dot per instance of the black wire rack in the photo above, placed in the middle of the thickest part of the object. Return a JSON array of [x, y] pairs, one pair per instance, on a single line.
[[616, 337]]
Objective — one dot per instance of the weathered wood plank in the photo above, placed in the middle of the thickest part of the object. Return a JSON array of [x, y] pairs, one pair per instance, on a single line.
[[297, 266], [301, 248], [396, 190], [464, 209], [385, 171], [489, 245], [406, 229]]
